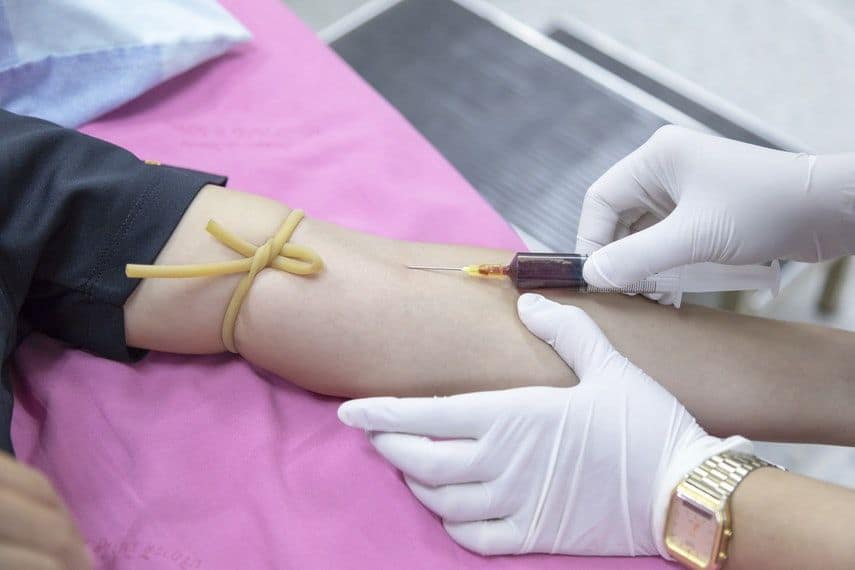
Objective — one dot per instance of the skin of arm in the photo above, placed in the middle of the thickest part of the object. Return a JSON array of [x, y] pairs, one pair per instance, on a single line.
[[367, 326], [782, 520]]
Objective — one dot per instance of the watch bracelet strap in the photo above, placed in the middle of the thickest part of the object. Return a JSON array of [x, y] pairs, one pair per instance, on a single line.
[[720, 474]]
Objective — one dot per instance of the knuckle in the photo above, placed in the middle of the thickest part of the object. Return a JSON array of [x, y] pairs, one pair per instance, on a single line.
[[6, 502], [572, 319], [488, 499], [594, 194], [12, 502], [667, 136], [485, 463], [444, 503], [472, 464], [479, 539], [62, 535], [667, 146], [432, 471], [42, 486], [51, 563], [500, 496], [572, 312], [600, 194]]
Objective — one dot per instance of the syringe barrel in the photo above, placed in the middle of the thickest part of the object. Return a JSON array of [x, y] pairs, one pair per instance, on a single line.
[[548, 270], [563, 270]]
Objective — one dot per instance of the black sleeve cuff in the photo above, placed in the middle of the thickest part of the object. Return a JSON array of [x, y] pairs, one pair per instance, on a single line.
[[92, 316]]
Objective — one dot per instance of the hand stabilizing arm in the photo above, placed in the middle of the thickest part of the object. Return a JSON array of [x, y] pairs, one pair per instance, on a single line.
[[582, 470]]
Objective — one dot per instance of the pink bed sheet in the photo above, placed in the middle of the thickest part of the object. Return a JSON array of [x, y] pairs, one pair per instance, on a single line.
[[204, 462]]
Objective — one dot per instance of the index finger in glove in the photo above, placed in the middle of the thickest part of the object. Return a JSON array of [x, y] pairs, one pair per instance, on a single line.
[[432, 462], [633, 188], [569, 330], [490, 537], [449, 417]]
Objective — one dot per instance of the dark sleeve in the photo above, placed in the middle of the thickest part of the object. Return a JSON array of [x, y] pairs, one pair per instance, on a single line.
[[73, 211]]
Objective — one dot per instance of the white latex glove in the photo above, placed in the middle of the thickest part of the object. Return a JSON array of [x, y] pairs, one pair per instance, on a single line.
[[582, 470], [692, 197]]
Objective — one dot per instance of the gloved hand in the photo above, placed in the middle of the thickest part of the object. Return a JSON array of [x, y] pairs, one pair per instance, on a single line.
[[691, 197], [582, 470]]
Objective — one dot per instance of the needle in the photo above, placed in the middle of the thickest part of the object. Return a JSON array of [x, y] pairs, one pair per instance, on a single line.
[[427, 268]]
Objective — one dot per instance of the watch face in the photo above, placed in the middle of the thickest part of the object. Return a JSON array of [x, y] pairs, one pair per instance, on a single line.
[[692, 531]]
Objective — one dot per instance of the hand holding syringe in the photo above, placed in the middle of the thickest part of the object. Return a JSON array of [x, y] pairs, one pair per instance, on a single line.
[[565, 270]]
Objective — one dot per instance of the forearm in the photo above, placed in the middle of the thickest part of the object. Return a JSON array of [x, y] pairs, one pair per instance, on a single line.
[[363, 325], [765, 379], [782, 520], [368, 326]]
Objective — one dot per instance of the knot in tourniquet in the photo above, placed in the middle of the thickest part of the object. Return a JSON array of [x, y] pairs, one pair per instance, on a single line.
[[276, 253]]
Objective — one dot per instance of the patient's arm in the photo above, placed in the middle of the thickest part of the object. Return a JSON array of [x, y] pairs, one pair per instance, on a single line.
[[368, 326]]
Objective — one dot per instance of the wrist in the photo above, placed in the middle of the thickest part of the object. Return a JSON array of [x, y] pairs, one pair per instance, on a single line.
[[687, 458], [831, 189]]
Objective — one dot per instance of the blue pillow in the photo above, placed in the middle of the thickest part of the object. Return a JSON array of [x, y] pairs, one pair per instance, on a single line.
[[69, 61]]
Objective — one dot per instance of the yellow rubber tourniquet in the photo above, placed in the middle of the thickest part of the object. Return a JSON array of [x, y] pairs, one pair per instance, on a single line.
[[275, 252]]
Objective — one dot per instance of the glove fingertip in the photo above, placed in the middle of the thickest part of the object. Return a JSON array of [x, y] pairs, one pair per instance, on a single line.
[[586, 246], [535, 313], [593, 272], [528, 301], [351, 414]]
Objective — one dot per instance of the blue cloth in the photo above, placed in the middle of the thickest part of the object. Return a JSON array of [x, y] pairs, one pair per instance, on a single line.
[[69, 61]]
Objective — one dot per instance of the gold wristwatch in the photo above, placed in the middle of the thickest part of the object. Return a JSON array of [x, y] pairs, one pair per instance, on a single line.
[[699, 524]]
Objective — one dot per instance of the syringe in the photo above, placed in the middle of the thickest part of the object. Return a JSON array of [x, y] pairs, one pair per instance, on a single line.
[[564, 270]]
